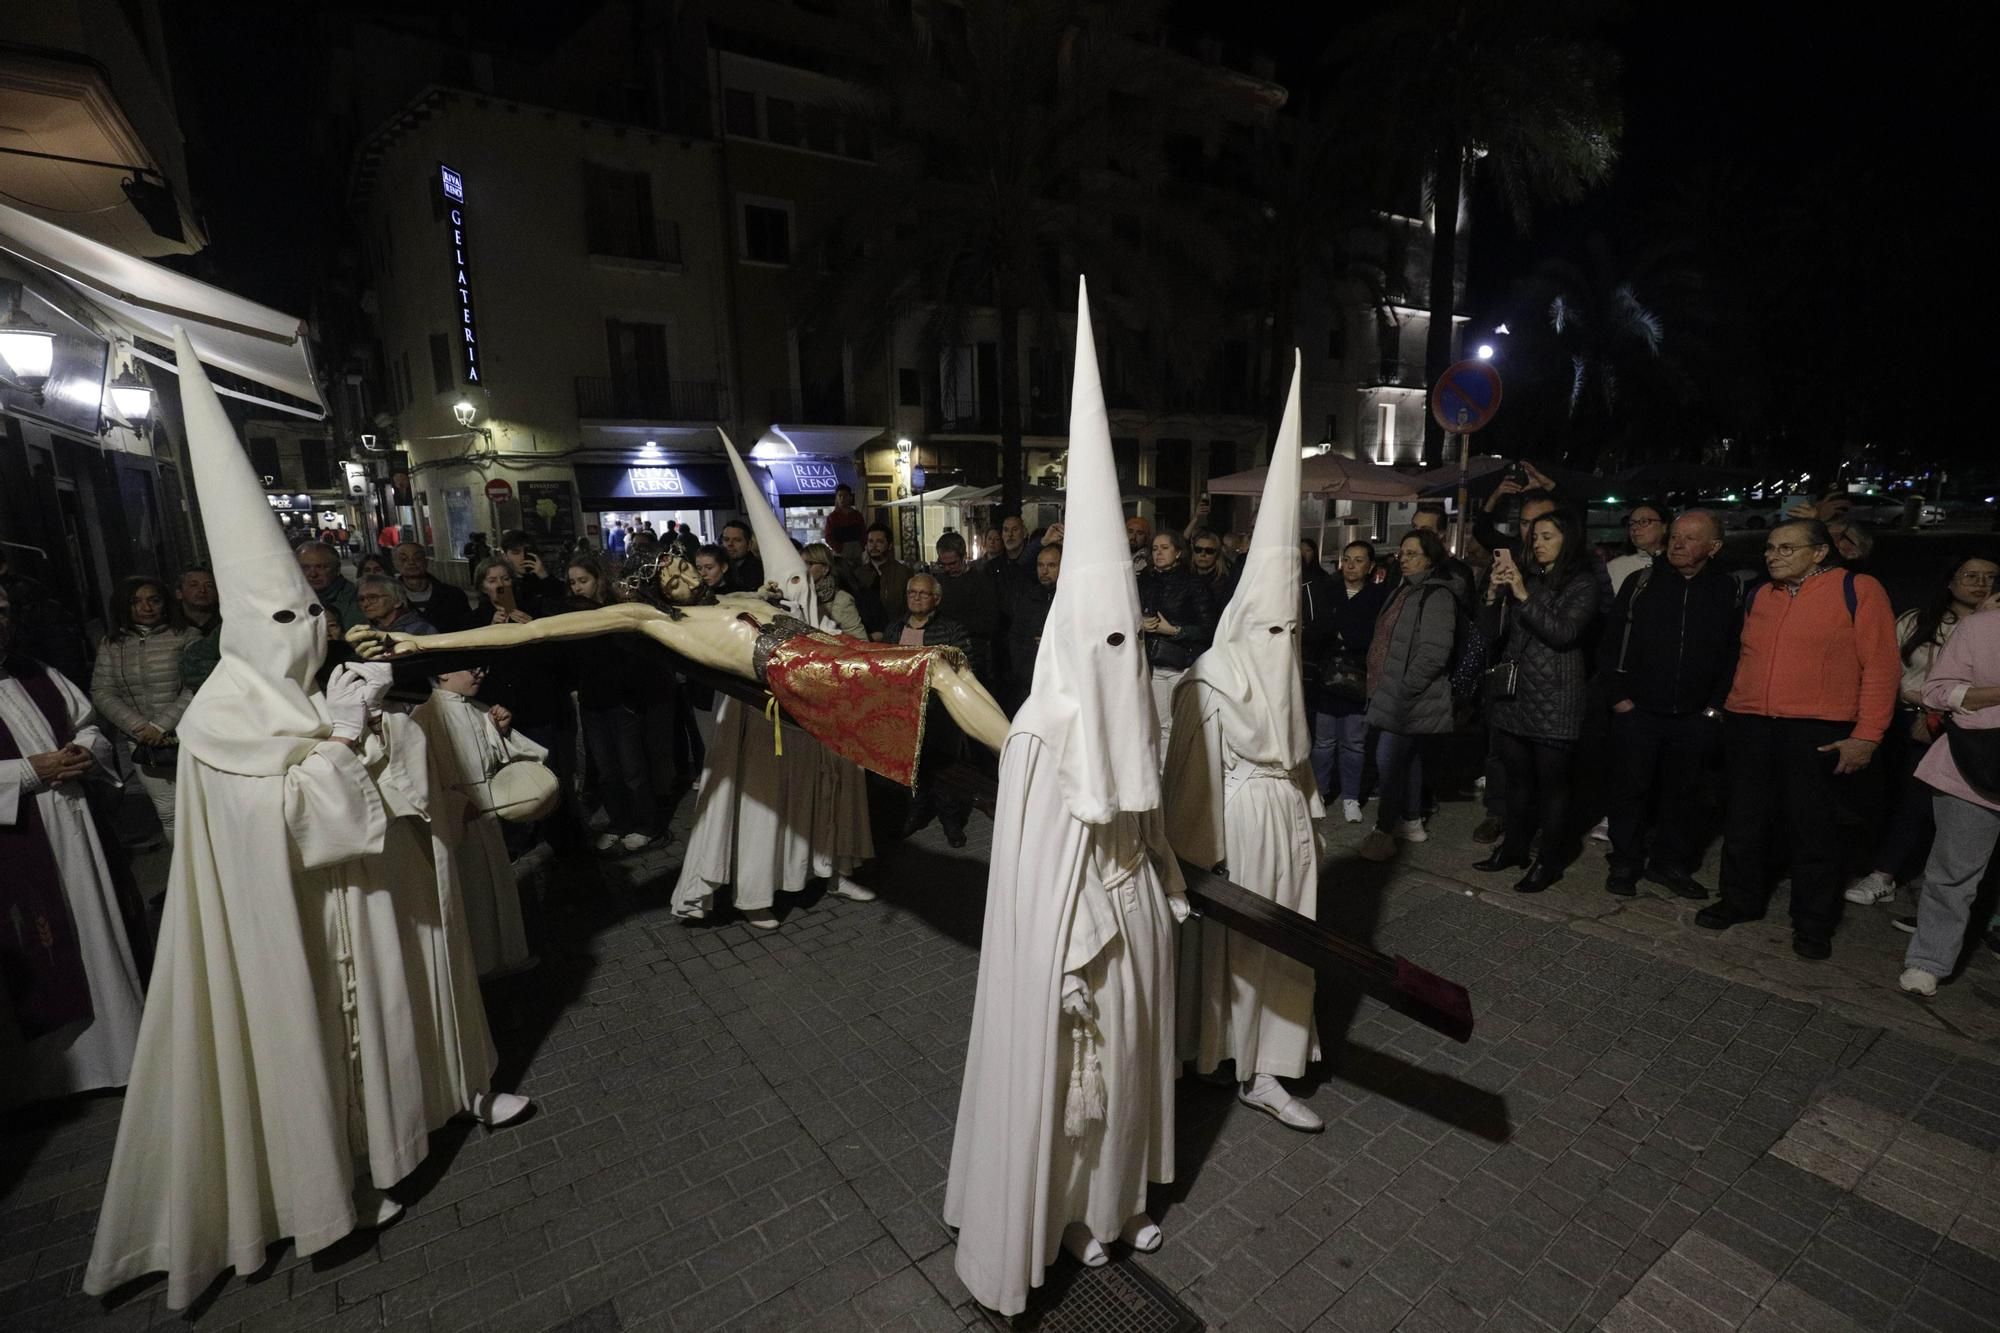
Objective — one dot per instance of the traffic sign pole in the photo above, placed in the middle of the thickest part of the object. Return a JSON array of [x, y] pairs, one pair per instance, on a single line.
[[1463, 400]]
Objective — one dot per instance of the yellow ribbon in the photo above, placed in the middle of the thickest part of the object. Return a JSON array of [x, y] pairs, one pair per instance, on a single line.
[[777, 727]]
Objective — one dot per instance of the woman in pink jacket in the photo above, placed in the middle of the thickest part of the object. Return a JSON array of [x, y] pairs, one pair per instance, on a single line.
[[1964, 683]]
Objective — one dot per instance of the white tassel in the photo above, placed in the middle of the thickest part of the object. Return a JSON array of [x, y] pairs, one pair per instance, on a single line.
[[1085, 1102]]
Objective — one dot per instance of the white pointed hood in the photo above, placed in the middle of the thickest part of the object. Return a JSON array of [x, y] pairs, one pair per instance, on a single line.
[[783, 565], [258, 714], [1091, 701], [1253, 667]]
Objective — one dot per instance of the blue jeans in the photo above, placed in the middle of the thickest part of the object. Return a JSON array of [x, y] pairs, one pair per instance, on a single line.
[[1339, 742], [1399, 775]]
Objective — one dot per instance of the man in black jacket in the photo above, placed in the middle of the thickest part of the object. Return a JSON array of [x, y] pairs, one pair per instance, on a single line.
[[1671, 646], [1027, 609], [972, 598]]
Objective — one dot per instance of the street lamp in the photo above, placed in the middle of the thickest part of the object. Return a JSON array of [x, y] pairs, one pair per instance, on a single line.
[[28, 349], [131, 397], [1486, 351], [464, 411]]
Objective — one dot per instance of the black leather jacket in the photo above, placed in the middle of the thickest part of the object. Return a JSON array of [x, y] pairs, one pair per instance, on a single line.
[[1187, 604]]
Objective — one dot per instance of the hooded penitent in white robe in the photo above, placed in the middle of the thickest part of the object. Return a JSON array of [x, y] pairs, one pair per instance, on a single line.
[[470, 848], [766, 822], [308, 1007], [96, 1053], [1082, 893], [1240, 795]]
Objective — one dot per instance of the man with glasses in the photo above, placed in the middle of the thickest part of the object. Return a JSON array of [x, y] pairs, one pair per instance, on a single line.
[[1646, 527], [1814, 690], [922, 626], [1215, 573], [1672, 646]]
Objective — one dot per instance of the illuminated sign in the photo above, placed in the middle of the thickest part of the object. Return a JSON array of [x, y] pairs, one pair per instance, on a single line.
[[655, 481], [453, 186], [815, 476]]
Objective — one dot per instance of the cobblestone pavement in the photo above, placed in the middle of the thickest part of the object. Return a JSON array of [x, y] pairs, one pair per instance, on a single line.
[[748, 1130]]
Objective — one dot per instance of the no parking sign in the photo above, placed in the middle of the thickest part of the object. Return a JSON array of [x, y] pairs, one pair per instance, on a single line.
[[1465, 397]]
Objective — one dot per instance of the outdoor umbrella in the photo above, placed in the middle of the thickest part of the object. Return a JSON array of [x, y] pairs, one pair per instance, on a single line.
[[1330, 477], [943, 495]]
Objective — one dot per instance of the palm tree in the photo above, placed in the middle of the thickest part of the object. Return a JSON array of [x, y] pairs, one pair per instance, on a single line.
[[1511, 88], [1016, 150], [1615, 339]]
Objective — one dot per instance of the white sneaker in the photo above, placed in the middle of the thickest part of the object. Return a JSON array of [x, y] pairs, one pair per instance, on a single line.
[[1601, 831], [1351, 811], [1872, 887], [1266, 1094], [632, 842], [848, 889], [1412, 830], [604, 842], [493, 1109], [1918, 982]]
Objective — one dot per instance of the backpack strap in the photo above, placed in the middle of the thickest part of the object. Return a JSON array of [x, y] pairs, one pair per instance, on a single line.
[[1847, 591]]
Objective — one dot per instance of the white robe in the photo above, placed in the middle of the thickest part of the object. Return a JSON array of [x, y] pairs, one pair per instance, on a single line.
[[766, 822], [1062, 896], [256, 1089], [466, 750], [98, 1054], [1240, 1000]]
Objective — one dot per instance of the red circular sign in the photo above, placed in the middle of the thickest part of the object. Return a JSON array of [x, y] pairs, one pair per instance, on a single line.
[[1465, 397], [500, 490]]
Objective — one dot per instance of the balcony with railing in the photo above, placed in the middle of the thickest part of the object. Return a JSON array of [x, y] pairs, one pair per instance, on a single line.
[[609, 398], [1390, 372]]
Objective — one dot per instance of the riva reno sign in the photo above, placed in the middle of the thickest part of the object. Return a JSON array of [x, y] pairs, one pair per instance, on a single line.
[[453, 186]]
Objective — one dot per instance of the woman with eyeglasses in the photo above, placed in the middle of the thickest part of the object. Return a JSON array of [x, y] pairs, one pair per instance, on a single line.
[[1646, 527], [1815, 691], [1922, 633], [1539, 614], [1179, 621]]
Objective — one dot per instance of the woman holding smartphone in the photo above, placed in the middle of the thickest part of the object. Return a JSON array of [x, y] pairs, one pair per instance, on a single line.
[[1539, 617]]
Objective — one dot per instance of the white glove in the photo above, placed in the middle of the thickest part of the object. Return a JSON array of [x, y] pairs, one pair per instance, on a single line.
[[354, 695], [1075, 996]]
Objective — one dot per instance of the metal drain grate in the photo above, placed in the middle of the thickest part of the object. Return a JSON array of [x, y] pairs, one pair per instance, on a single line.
[[1120, 1297]]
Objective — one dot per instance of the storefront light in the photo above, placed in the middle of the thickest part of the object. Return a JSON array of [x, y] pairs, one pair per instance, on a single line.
[[27, 348], [131, 397]]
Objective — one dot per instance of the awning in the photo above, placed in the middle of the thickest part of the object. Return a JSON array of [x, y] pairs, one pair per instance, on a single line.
[[811, 481], [668, 485], [147, 301], [1331, 476], [818, 441]]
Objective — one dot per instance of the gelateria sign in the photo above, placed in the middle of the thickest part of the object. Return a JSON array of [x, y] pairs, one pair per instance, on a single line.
[[453, 186]]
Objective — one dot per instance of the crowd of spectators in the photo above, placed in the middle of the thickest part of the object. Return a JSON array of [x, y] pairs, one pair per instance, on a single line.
[[1845, 742]]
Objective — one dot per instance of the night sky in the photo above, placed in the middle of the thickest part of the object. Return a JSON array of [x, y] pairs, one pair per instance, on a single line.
[[1814, 170]]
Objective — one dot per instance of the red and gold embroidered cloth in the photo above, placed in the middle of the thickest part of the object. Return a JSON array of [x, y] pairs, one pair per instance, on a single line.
[[863, 701]]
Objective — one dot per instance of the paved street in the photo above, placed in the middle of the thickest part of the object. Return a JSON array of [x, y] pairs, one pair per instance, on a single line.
[[751, 1131]]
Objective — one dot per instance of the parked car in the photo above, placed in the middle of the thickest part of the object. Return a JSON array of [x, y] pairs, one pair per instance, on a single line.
[[1933, 516]]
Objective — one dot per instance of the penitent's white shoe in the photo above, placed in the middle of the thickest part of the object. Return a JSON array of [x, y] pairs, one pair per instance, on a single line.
[[1266, 1094], [373, 1208], [494, 1109], [1141, 1234], [761, 920], [1079, 1242], [847, 888]]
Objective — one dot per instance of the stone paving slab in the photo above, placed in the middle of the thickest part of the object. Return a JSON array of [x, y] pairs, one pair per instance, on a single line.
[[742, 1130]]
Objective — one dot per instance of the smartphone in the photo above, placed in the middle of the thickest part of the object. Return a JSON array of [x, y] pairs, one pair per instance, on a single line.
[[504, 598]]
